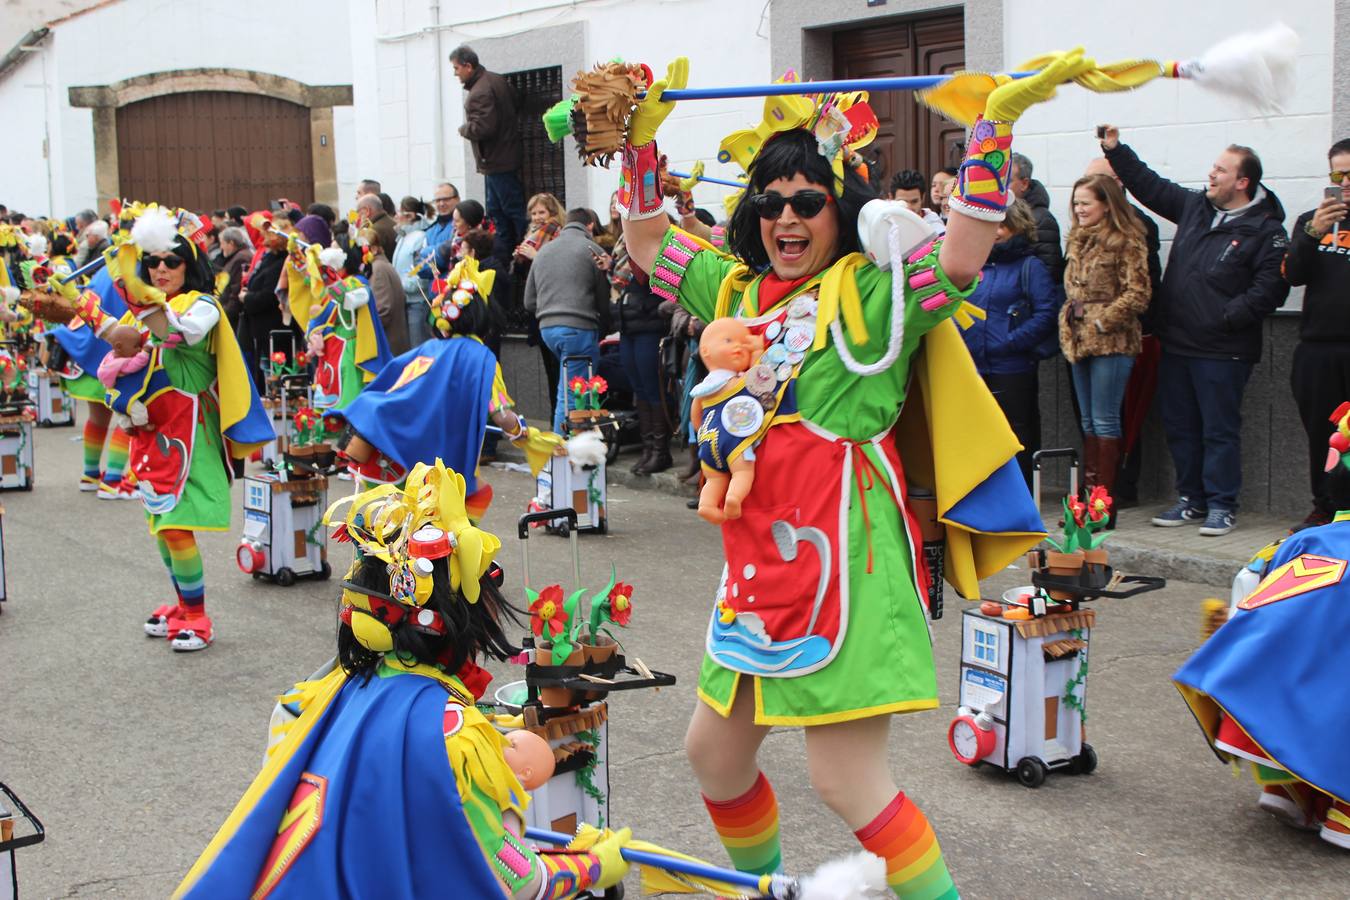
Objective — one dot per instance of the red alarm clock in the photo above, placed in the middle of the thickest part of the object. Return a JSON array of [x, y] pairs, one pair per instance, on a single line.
[[971, 737]]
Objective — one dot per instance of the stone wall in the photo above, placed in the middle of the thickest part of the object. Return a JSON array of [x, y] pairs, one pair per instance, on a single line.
[[1274, 449]]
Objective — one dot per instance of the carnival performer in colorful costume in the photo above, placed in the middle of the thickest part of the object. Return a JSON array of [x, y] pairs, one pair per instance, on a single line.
[[434, 401], [391, 783], [1268, 687], [812, 568], [190, 405], [346, 342]]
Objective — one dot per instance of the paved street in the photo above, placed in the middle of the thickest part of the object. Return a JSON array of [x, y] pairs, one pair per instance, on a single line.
[[133, 755]]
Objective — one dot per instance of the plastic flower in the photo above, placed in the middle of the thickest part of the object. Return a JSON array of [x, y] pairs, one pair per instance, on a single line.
[[577, 385], [599, 385], [279, 358], [1098, 504], [547, 618], [332, 423], [302, 359], [1078, 510], [621, 604]]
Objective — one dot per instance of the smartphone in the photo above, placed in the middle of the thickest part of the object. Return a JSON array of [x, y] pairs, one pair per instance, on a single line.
[[1101, 132], [1331, 192]]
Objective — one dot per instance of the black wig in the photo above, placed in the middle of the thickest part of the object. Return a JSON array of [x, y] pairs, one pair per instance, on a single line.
[[472, 630], [198, 270], [783, 156]]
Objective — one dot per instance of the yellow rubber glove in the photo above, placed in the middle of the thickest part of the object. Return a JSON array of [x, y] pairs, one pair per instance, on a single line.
[[695, 173], [124, 267], [1009, 101], [539, 447], [65, 287], [607, 847], [652, 111]]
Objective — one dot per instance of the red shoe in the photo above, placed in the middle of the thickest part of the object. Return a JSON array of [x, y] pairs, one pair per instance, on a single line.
[[1336, 826], [157, 626], [1293, 804], [190, 632]]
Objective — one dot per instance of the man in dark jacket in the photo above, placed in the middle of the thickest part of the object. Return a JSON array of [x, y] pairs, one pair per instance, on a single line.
[[569, 295], [491, 128], [262, 311], [373, 217], [1223, 278], [1319, 258], [1033, 193]]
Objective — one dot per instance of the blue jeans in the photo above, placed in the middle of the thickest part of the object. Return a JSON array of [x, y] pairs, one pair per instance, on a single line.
[[506, 207], [1201, 404], [419, 329], [1099, 384], [565, 342], [640, 355]]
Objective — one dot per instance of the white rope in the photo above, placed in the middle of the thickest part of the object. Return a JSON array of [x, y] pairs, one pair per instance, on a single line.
[[897, 339]]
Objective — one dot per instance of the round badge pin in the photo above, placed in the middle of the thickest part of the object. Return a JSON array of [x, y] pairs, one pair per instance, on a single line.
[[760, 379], [776, 355], [784, 371], [802, 306], [798, 339], [742, 416]]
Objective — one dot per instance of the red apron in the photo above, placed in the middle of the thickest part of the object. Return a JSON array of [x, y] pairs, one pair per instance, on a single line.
[[328, 372], [161, 453]]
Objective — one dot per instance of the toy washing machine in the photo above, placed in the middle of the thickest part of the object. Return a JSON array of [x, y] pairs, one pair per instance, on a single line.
[[54, 406], [284, 537], [16, 453], [1023, 693], [582, 488]]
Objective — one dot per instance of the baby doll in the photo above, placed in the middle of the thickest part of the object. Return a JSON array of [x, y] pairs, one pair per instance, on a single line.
[[732, 421], [531, 758], [127, 357]]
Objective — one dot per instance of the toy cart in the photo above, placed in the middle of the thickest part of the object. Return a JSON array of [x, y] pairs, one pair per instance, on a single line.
[[578, 732], [290, 390], [584, 489], [1023, 681], [283, 535], [13, 810], [54, 406], [16, 450]]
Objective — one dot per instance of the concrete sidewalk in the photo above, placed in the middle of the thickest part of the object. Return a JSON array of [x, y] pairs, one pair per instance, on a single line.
[[1137, 546]]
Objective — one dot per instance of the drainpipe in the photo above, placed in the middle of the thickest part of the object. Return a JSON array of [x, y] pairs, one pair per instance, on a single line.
[[438, 120]]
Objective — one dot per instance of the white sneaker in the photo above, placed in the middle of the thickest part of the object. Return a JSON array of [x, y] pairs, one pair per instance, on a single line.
[[157, 626], [188, 640]]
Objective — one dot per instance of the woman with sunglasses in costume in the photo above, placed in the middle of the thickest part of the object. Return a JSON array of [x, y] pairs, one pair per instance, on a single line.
[[188, 399], [820, 619]]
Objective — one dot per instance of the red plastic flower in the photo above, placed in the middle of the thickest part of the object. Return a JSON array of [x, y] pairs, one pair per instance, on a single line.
[[1099, 504], [279, 358], [547, 618], [621, 604], [1078, 510], [302, 359], [577, 385], [304, 417], [332, 423], [599, 385]]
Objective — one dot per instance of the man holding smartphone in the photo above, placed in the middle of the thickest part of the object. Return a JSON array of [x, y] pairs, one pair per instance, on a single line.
[[1319, 260], [1223, 278]]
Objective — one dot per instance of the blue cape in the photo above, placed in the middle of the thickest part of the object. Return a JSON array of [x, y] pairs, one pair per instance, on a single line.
[[81, 344], [430, 402], [1279, 669], [373, 789]]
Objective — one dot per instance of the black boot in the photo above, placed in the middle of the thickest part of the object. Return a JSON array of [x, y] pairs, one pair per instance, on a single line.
[[660, 440], [643, 465], [691, 471]]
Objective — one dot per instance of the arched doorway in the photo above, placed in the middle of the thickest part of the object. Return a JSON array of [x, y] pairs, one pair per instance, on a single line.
[[208, 150]]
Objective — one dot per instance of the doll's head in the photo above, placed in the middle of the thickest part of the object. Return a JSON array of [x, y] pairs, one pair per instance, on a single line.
[[729, 344], [530, 757], [125, 341]]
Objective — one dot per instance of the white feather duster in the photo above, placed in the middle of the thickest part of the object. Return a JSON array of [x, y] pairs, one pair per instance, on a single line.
[[1255, 66], [855, 877], [332, 257], [587, 449], [154, 231]]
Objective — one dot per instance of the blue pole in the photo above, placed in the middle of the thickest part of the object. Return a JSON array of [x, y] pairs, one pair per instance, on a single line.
[[735, 184], [904, 83], [88, 268], [671, 863]]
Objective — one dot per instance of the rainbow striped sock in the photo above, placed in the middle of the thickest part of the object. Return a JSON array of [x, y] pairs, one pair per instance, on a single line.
[[118, 445], [94, 435], [748, 828], [901, 835], [178, 549]]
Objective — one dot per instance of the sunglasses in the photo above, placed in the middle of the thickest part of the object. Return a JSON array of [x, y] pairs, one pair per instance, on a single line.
[[807, 204], [168, 262], [1338, 177]]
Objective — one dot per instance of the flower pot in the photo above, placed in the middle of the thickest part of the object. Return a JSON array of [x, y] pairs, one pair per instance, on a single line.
[[1065, 564], [358, 449], [324, 455], [601, 662], [555, 695], [1095, 563]]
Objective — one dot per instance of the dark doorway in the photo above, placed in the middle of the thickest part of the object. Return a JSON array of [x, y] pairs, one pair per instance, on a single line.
[[910, 137], [207, 150], [542, 168]]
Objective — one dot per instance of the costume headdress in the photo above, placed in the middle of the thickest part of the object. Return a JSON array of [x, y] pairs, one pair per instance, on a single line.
[[408, 529], [457, 290]]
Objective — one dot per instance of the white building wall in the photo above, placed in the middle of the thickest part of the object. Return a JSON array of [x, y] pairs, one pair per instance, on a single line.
[[1176, 127], [25, 187], [305, 40], [725, 50]]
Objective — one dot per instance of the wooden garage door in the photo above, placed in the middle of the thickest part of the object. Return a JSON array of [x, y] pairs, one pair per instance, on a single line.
[[911, 137], [207, 150]]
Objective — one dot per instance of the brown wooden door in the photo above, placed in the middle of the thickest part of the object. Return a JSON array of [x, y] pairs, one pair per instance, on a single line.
[[910, 136], [207, 150]]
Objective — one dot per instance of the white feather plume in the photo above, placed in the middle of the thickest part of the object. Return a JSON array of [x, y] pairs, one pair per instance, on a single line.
[[154, 231], [587, 448], [862, 875], [333, 257], [37, 244], [1255, 66]]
